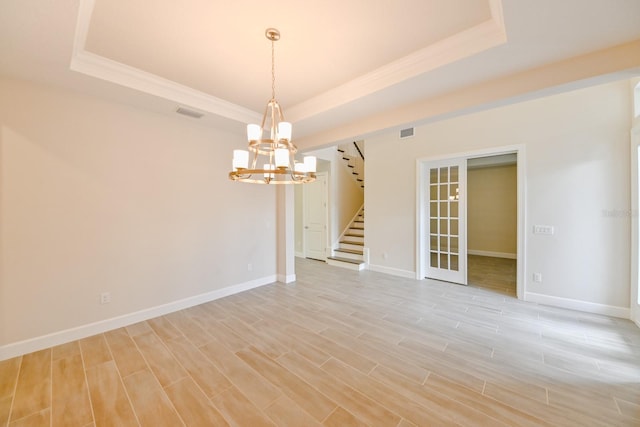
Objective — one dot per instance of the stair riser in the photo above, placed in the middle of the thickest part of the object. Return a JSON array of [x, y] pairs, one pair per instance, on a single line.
[[359, 239], [356, 267], [350, 246], [356, 232], [349, 256]]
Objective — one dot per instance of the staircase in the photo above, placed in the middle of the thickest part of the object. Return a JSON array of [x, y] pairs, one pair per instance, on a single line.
[[350, 253], [353, 156]]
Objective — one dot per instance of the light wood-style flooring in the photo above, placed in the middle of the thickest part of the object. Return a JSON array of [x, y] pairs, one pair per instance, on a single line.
[[339, 348], [498, 274]]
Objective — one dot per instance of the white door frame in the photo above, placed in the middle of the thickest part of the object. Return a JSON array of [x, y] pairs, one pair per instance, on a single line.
[[326, 215], [422, 214], [635, 226]]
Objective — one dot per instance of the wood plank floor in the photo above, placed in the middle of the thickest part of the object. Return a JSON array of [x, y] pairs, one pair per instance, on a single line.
[[498, 274], [339, 348]]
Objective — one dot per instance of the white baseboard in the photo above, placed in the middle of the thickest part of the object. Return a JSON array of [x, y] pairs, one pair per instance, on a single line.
[[492, 254], [56, 338], [282, 278], [299, 254], [589, 307], [393, 271]]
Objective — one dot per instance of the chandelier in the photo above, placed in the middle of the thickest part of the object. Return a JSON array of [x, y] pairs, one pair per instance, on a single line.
[[271, 160]]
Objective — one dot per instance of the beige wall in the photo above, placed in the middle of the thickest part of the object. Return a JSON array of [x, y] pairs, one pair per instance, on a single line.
[[577, 170], [492, 210], [98, 196]]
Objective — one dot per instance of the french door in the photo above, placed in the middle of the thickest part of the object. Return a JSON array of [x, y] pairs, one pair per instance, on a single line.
[[446, 220]]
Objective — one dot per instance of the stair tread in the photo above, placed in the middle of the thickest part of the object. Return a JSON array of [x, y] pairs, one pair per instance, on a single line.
[[353, 235], [349, 242], [347, 260], [350, 251], [356, 228]]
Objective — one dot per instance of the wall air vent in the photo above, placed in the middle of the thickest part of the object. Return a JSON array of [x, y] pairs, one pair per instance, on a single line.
[[190, 113], [406, 133]]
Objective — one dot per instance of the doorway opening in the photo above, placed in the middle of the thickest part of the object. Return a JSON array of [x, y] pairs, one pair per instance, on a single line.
[[434, 226], [492, 226]]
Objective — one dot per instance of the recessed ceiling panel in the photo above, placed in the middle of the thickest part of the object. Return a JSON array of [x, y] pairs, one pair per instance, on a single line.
[[219, 48]]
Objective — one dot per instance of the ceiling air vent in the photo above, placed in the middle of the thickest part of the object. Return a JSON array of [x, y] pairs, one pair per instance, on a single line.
[[190, 113], [406, 133]]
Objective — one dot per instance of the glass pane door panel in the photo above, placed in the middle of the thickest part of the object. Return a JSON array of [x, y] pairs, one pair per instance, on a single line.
[[444, 190], [454, 227], [444, 226], [433, 243], [454, 262], [453, 245], [454, 174], [434, 259], [454, 209], [444, 261], [433, 210], [444, 174], [433, 176], [444, 209], [445, 204]]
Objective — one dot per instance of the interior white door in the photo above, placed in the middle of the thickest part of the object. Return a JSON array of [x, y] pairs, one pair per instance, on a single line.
[[446, 221], [315, 218]]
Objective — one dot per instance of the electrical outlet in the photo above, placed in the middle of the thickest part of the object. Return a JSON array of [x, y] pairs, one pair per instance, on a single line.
[[537, 277], [105, 298], [249, 267]]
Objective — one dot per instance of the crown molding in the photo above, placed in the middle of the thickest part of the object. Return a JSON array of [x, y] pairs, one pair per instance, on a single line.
[[466, 43], [475, 39], [106, 69], [93, 65]]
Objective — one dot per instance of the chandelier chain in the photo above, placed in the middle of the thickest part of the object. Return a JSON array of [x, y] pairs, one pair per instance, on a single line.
[[273, 70]]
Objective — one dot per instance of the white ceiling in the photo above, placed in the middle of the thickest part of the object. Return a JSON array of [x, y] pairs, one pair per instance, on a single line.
[[338, 62]]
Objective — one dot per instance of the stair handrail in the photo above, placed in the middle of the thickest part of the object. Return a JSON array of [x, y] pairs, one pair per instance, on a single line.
[[355, 161], [358, 148]]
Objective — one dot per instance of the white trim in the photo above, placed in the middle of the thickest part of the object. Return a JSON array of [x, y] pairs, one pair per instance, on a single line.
[[86, 62], [299, 254], [115, 72], [492, 254], [634, 262], [483, 36], [407, 274], [289, 278], [56, 338], [572, 304]]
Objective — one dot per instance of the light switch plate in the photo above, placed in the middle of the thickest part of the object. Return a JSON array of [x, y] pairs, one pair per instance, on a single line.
[[543, 229]]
